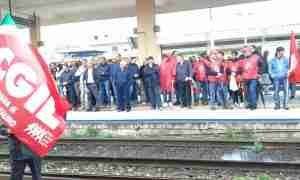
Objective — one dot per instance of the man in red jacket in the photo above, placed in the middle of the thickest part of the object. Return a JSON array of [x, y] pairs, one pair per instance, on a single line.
[[200, 76], [167, 77], [250, 68], [214, 70]]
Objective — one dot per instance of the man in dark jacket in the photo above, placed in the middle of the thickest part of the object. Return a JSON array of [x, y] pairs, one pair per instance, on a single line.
[[103, 75], [20, 156], [67, 79], [134, 72], [114, 67], [122, 83], [184, 74], [151, 79]]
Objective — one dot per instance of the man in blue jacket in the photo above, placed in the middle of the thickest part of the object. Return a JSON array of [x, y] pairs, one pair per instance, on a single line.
[[279, 70], [114, 68], [103, 75], [122, 78]]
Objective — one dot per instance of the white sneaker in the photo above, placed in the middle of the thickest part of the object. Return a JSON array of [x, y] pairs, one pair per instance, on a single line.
[[165, 105], [170, 104]]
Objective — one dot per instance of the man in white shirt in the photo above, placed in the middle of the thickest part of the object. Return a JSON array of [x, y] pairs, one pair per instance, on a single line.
[[93, 95]]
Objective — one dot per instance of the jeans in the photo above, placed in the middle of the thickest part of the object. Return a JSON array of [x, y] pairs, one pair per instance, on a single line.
[[61, 89], [218, 93], [83, 95], [222, 94], [177, 92], [133, 91], [212, 86], [251, 93], [104, 92], [292, 89], [77, 92], [115, 92], [154, 95], [123, 96], [71, 94], [280, 84], [18, 167], [203, 90], [185, 97]]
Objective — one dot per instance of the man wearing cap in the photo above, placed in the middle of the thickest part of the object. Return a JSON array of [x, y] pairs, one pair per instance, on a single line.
[[278, 69]]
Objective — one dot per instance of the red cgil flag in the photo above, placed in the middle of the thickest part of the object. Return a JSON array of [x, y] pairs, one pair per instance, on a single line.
[[294, 60], [30, 105]]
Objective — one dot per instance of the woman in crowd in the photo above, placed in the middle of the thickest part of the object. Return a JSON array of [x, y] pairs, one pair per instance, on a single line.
[[236, 92], [279, 71], [167, 73], [200, 77]]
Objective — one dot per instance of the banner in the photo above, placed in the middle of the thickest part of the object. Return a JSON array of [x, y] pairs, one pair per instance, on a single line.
[[30, 105], [294, 60]]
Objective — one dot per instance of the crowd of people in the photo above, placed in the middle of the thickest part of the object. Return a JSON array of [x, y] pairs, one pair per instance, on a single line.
[[209, 80]]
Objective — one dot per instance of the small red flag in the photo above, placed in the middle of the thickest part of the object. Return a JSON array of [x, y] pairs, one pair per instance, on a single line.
[[294, 60]]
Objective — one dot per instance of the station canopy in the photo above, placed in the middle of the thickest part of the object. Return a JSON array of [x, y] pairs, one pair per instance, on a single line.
[[68, 11]]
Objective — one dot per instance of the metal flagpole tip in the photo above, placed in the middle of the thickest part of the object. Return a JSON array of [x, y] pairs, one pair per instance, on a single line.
[[8, 20], [8, 25]]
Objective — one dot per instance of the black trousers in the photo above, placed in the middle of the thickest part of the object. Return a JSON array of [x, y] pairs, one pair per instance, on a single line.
[[184, 89], [18, 167], [237, 96]]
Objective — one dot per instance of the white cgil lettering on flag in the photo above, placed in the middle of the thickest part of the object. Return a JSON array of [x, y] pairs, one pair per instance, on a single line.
[[7, 118], [39, 134]]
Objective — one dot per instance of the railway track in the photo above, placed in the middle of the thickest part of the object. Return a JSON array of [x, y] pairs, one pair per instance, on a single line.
[[130, 168], [177, 149], [267, 143], [169, 140], [5, 176]]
